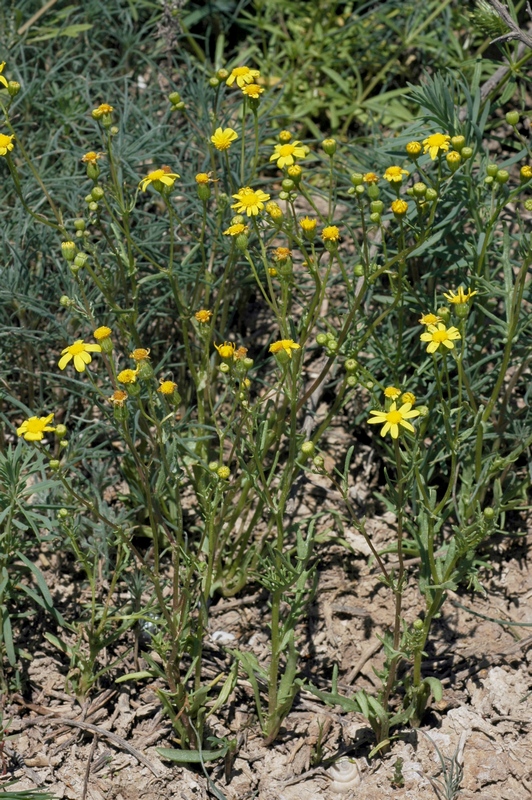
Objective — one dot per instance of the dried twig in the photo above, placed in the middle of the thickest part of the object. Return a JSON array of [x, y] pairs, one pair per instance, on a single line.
[[515, 31]]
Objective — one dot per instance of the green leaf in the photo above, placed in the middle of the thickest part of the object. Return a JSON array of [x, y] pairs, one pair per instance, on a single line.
[[191, 756]]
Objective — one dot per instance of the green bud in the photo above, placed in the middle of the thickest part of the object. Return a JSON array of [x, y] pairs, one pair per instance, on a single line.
[[488, 512], [238, 219], [431, 195], [62, 513], [93, 171], [358, 269], [375, 218], [241, 242], [247, 363], [492, 170], [351, 381], [466, 152], [488, 180], [214, 82], [13, 88], [444, 313], [461, 310], [174, 98], [423, 411], [93, 207], [502, 176], [63, 443], [322, 339], [307, 449], [512, 118], [410, 191], [204, 192], [69, 250], [225, 368], [528, 204], [61, 431], [373, 191], [351, 191], [54, 464], [319, 462], [79, 224], [179, 106], [458, 143], [223, 74], [360, 190], [357, 178], [376, 207], [418, 625], [97, 193], [284, 196], [213, 466], [350, 365], [65, 301], [288, 185], [80, 260], [223, 473], [332, 345], [329, 146], [420, 189]]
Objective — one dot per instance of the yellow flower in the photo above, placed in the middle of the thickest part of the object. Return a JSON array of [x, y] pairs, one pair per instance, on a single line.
[[102, 333], [408, 397], [284, 345], [236, 230], [272, 272], [308, 225], [140, 354], [395, 174], [330, 234], [127, 375], [103, 108], [525, 173], [371, 177], [295, 172], [250, 201], [80, 352], [252, 90], [413, 149], [284, 154], [202, 178], [226, 350], [2, 79], [203, 315], [91, 157], [285, 137], [393, 418], [118, 398], [274, 210], [163, 175], [242, 76], [222, 139], [34, 428], [460, 296], [167, 387], [281, 253], [392, 392], [436, 335], [429, 319], [438, 142], [399, 208], [6, 144]]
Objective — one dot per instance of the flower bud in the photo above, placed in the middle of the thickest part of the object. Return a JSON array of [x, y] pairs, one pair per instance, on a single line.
[[66, 302], [423, 411], [308, 449], [360, 190], [214, 83], [528, 204], [357, 178], [444, 313], [329, 146], [375, 218], [93, 207], [54, 464], [93, 171], [80, 260], [322, 339], [319, 462], [174, 98], [399, 208], [358, 269], [461, 310], [97, 193], [512, 118], [418, 625], [225, 368], [376, 207], [204, 192], [488, 513], [351, 381], [492, 170], [79, 224], [410, 191], [62, 513], [350, 365], [223, 473], [453, 160], [466, 152], [13, 88], [431, 195], [120, 413], [420, 189], [488, 180], [69, 250], [288, 185], [241, 242], [458, 143], [373, 191], [502, 176], [61, 431]]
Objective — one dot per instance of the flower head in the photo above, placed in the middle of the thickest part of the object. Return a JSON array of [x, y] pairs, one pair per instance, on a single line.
[[371, 177], [438, 142], [399, 207], [103, 108], [308, 225], [281, 253], [225, 350], [242, 76], [284, 345], [460, 297], [408, 397], [34, 428], [203, 315], [240, 353], [249, 201], [429, 319], [80, 352], [274, 210], [222, 138], [295, 172], [525, 172], [395, 174], [392, 392], [236, 230], [167, 387], [284, 154], [6, 144], [252, 90], [118, 398], [285, 137], [91, 157], [3, 81], [163, 175], [102, 333], [438, 334], [393, 418], [140, 354], [330, 234], [202, 178], [127, 376]]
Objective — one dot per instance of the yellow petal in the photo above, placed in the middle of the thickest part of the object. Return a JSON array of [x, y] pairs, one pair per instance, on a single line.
[[65, 359]]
